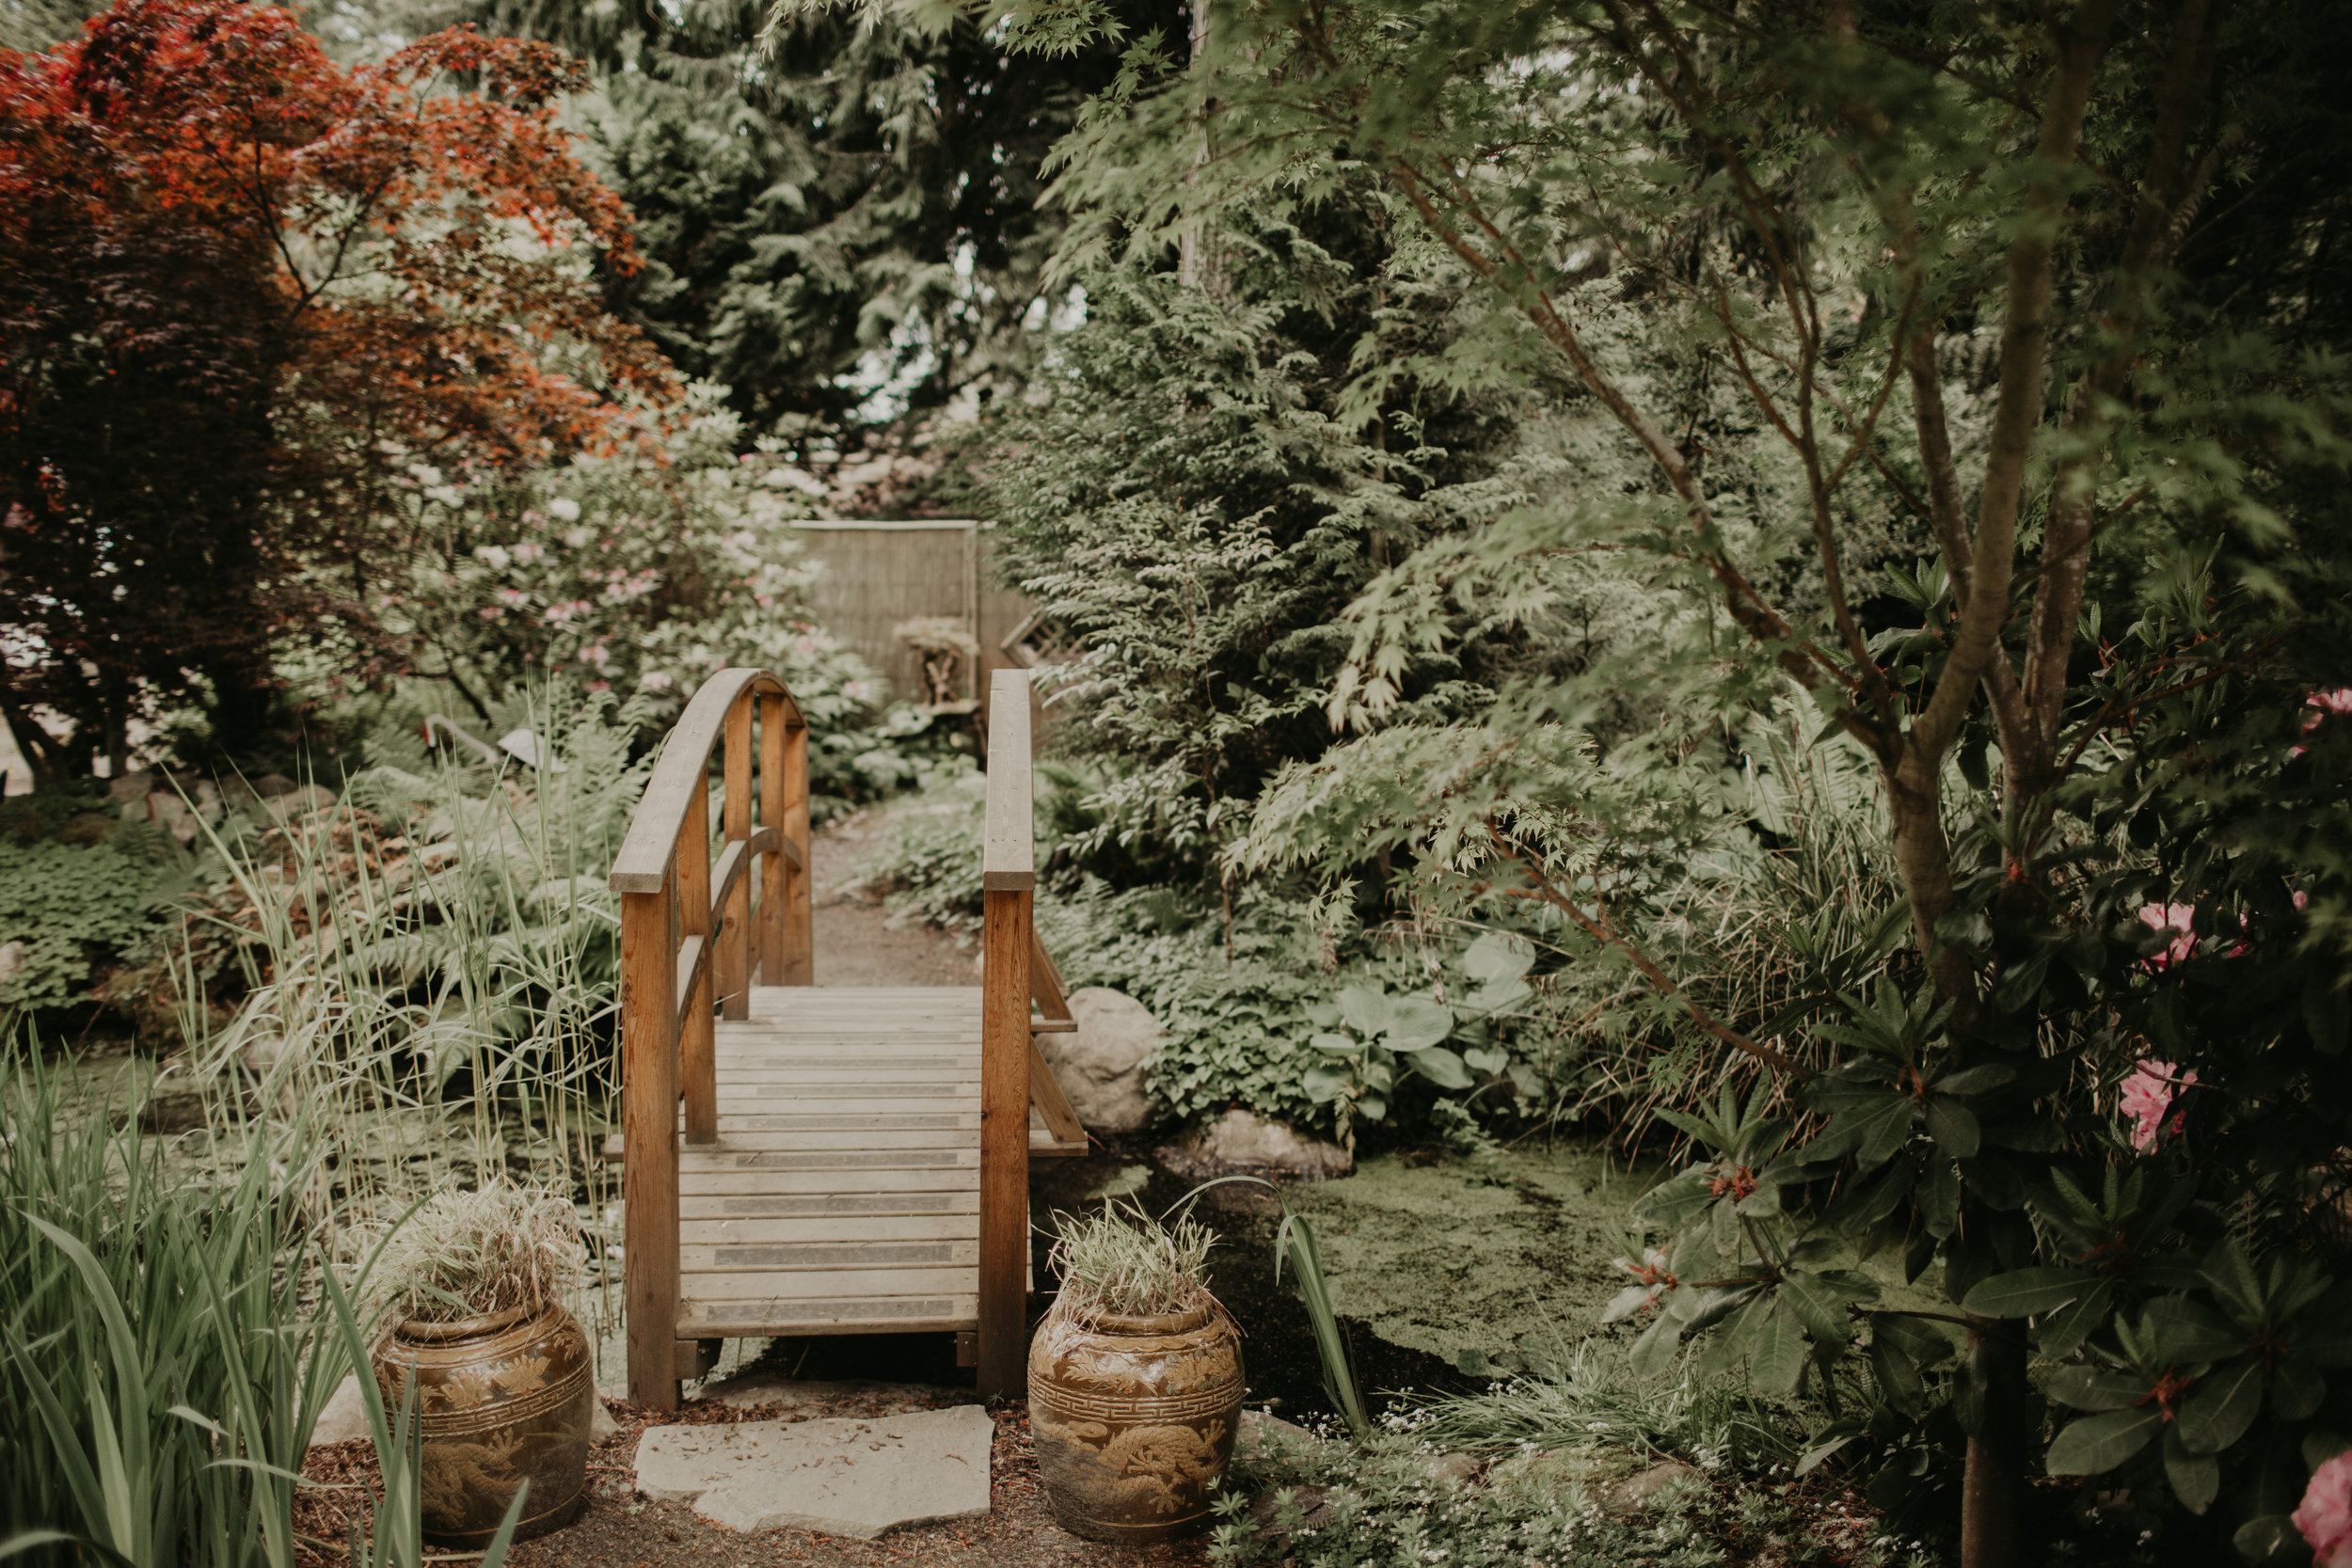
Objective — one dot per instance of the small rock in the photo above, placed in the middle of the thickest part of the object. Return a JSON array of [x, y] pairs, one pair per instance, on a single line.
[[1100, 1064], [237, 794], [602, 1428], [748, 1389], [296, 802], [270, 786], [11, 959], [1240, 1142], [132, 787], [1453, 1469], [1552, 1473], [1312, 1504], [1648, 1486], [1256, 1428], [855, 1478], [345, 1417], [171, 811]]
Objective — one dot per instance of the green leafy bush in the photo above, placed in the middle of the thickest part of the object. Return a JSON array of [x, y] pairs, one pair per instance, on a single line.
[[1394, 1502], [65, 909]]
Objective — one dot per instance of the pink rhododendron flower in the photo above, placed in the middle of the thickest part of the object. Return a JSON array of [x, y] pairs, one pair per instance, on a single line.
[[2338, 702], [2147, 1094], [2180, 919], [2325, 1517]]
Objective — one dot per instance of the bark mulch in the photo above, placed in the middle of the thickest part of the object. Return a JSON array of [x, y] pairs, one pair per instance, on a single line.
[[620, 1530]]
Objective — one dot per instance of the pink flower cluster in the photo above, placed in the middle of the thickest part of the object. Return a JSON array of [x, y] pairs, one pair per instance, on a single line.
[[2179, 919], [2325, 1517], [2147, 1094]]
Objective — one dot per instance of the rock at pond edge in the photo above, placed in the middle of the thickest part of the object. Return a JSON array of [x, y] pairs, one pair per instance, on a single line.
[[1243, 1143], [1100, 1064]]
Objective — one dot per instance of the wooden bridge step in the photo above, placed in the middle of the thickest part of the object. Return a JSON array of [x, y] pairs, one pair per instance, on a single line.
[[731, 1320], [731, 1230], [807, 1206]]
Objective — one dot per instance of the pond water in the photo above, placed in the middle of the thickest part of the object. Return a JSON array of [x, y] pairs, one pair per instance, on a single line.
[[1431, 1262]]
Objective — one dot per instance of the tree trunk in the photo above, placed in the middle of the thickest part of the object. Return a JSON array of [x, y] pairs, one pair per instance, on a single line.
[[1992, 1489]]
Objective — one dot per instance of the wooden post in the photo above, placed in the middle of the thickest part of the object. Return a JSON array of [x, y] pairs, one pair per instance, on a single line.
[[771, 865], [734, 957], [798, 965], [698, 1064], [1007, 879], [649, 1132]]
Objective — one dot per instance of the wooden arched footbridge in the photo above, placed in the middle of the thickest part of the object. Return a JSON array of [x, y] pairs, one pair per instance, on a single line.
[[806, 1160]]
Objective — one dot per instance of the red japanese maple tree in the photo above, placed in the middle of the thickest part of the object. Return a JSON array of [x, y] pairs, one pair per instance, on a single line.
[[242, 291]]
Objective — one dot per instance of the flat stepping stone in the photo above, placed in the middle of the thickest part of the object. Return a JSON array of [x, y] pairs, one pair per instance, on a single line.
[[843, 1476]]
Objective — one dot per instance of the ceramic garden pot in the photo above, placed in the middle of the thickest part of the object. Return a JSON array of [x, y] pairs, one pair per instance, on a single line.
[[500, 1399], [1134, 1420]]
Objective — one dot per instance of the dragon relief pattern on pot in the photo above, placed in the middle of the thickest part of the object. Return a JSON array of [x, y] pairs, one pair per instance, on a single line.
[[501, 1399], [1134, 1420]]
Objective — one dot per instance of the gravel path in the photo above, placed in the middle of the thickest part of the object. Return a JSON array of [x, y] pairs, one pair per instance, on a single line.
[[855, 945]]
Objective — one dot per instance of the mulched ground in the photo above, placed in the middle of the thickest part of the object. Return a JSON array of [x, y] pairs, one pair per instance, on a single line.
[[619, 1529]]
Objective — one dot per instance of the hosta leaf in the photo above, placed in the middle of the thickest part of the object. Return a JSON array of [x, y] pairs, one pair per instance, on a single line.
[[1336, 1044], [1323, 1086], [1441, 1066], [1416, 1022], [1366, 1009], [2221, 1406], [2097, 1443], [2024, 1293], [1495, 956]]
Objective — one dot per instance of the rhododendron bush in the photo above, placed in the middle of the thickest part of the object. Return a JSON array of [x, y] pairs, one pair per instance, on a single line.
[[618, 571], [245, 293]]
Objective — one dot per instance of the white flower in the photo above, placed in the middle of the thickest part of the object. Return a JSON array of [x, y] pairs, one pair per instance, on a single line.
[[565, 508]]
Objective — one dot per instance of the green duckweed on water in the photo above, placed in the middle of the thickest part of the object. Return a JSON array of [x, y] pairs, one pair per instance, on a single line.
[[1506, 1256]]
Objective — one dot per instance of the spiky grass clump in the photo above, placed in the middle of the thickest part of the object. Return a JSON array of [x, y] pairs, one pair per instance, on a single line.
[[1124, 1263], [462, 1254]]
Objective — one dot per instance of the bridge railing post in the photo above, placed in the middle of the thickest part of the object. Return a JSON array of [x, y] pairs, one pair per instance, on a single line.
[[649, 1134], [680, 946], [1008, 884]]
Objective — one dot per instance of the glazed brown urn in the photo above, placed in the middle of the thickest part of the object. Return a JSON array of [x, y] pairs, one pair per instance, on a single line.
[[1133, 1420], [500, 1399]]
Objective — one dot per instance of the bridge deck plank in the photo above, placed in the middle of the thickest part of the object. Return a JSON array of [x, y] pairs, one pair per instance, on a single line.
[[842, 1196]]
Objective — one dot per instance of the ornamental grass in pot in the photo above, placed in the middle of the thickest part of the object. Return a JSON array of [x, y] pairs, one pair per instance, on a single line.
[[471, 1290], [1134, 1379]]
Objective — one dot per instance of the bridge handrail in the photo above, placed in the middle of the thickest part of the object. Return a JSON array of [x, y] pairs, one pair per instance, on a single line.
[[687, 946]]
